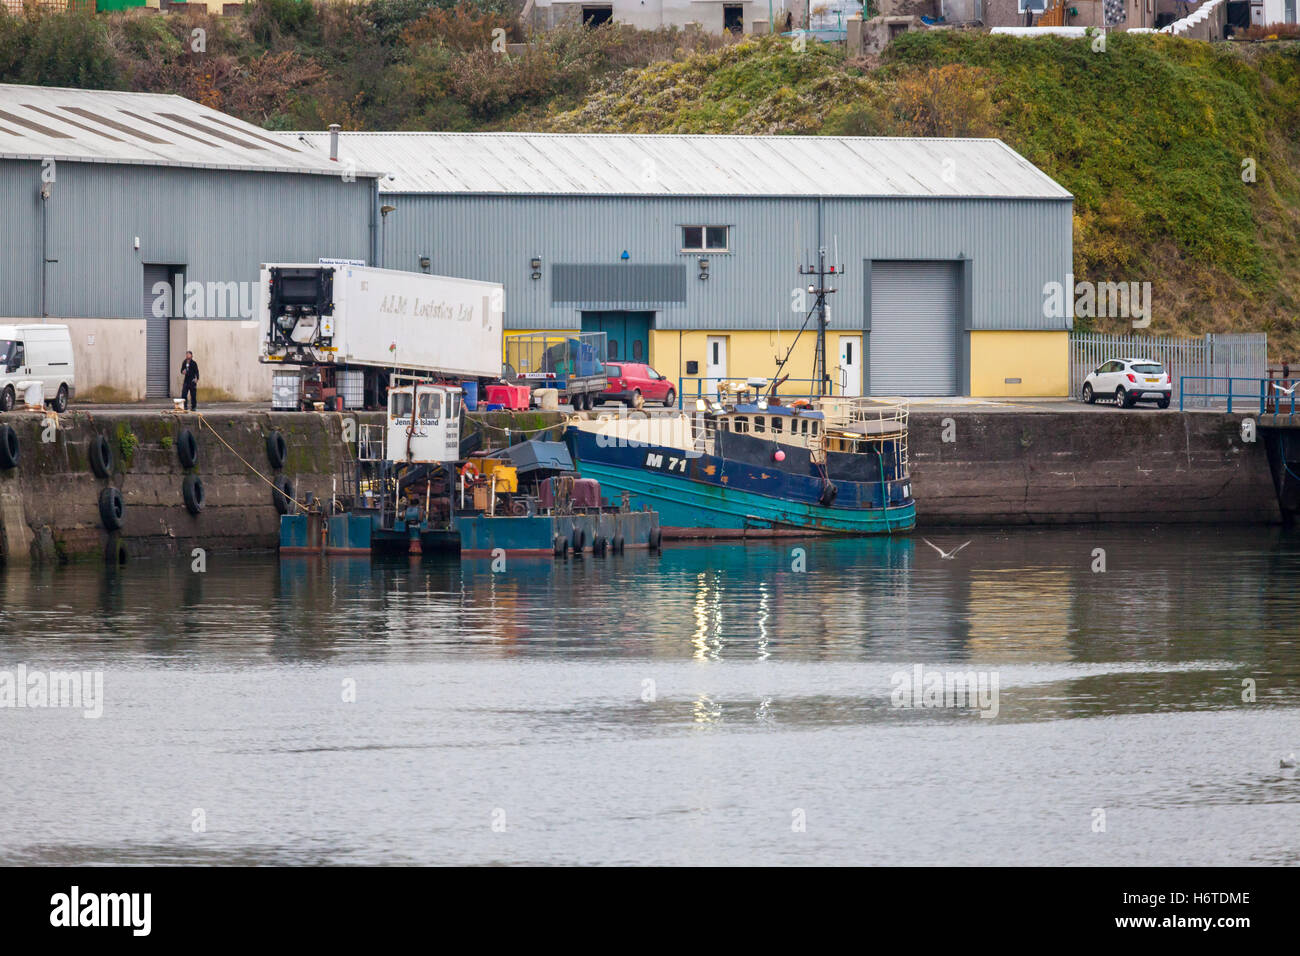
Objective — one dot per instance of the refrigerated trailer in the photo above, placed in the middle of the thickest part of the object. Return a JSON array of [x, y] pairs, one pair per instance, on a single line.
[[334, 321]]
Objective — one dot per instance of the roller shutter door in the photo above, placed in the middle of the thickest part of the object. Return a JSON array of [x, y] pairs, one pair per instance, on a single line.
[[915, 328], [157, 335]]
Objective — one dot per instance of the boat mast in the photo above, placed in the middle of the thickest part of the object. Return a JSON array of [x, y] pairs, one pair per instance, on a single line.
[[819, 289]]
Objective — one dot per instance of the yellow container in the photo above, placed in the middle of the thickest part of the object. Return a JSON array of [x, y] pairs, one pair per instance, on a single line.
[[507, 476]]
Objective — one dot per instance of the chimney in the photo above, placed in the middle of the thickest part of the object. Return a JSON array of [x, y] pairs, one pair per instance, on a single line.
[[334, 141]]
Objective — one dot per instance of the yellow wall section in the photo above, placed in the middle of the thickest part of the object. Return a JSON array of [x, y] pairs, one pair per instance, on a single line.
[[750, 353], [1039, 359]]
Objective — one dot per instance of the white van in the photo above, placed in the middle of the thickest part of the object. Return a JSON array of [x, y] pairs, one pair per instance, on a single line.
[[36, 353]]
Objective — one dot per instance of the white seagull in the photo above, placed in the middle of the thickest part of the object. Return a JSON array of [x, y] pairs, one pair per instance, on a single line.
[[1288, 761], [946, 555], [1288, 391]]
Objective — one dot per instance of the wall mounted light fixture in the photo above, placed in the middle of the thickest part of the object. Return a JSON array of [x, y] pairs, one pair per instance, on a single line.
[[704, 268], [536, 263], [424, 262]]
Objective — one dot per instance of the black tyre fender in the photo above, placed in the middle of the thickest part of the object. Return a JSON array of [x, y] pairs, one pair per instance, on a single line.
[[656, 539], [187, 448], [829, 494], [115, 553], [112, 509], [561, 546], [277, 449], [101, 457], [192, 492], [579, 540], [10, 448], [7, 399], [282, 495], [600, 546], [619, 544]]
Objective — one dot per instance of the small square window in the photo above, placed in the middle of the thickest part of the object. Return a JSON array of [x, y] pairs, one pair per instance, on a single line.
[[705, 238]]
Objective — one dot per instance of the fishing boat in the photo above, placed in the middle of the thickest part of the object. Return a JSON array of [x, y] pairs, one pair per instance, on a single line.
[[752, 462], [758, 467]]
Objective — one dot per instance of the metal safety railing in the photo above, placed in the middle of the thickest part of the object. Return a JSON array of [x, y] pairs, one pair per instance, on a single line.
[[1262, 395], [691, 389]]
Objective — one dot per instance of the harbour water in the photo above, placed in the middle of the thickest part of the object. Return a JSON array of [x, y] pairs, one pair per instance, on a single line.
[[725, 704]]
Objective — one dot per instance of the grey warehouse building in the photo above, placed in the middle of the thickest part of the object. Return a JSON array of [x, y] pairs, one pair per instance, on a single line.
[[106, 198], [685, 249]]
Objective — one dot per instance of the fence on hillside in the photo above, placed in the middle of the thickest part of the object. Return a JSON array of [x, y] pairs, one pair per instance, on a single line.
[[1232, 356]]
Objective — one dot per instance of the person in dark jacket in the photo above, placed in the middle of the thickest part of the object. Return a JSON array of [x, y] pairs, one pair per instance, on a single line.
[[190, 383]]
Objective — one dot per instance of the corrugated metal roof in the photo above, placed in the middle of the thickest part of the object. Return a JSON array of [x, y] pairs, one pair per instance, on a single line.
[[652, 165], [95, 126]]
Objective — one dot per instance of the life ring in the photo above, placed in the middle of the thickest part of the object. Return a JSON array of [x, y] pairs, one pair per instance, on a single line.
[[101, 457], [10, 449], [469, 471], [112, 510], [277, 449], [187, 448], [192, 492]]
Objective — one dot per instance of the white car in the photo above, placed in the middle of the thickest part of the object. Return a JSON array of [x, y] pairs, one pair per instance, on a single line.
[[1128, 381]]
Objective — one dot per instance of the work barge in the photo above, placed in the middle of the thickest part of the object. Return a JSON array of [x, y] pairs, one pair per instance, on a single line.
[[416, 487]]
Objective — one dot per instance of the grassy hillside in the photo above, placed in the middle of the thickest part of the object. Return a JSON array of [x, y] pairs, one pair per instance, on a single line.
[[1150, 135]]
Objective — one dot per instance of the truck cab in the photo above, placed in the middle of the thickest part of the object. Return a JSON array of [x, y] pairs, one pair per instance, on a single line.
[[423, 424]]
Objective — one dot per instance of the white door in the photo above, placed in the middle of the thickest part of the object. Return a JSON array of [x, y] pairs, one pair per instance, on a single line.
[[715, 363], [851, 365]]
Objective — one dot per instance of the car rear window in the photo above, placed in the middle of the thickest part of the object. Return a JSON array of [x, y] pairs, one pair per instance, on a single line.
[[1149, 369], [614, 370]]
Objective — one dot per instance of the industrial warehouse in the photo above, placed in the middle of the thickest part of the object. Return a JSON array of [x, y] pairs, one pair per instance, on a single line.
[[106, 198], [686, 251]]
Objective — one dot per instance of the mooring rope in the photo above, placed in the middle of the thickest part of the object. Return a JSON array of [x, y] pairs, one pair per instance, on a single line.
[[277, 488]]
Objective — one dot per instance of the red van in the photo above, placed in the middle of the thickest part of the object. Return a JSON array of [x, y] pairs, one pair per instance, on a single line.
[[634, 384]]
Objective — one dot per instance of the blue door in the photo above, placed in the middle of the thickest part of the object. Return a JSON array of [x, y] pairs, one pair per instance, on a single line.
[[627, 334]]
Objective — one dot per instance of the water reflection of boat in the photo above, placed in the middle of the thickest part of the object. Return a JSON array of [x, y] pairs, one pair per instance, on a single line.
[[757, 466]]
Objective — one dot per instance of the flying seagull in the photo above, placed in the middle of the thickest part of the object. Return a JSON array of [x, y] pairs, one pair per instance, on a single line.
[[1288, 761], [1288, 391], [946, 555]]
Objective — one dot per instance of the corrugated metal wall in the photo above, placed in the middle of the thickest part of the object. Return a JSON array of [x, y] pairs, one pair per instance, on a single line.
[[219, 224], [1016, 246]]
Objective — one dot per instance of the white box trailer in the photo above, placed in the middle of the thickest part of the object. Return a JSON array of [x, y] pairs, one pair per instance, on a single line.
[[329, 317]]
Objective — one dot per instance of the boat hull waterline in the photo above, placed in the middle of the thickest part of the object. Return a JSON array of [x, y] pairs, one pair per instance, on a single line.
[[706, 496]]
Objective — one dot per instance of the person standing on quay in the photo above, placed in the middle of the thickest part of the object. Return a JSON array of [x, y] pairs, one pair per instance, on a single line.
[[190, 384]]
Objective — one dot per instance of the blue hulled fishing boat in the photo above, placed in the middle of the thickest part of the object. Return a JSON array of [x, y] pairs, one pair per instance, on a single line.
[[751, 462], [757, 466]]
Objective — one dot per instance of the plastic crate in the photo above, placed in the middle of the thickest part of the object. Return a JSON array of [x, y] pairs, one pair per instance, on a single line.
[[285, 390]]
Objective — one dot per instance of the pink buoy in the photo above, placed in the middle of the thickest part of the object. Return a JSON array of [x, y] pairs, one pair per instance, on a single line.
[[779, 455]]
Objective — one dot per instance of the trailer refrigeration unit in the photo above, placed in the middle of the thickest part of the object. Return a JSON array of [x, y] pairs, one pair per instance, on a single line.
[[350, 328]]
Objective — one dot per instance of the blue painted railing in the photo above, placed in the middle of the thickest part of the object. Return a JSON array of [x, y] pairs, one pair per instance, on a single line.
[[705, 387], [1258, 393]]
